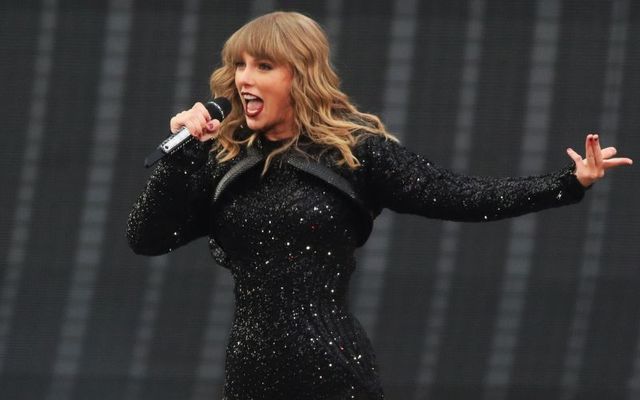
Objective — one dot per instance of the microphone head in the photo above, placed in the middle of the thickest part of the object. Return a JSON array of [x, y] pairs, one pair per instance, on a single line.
[[218, 108]]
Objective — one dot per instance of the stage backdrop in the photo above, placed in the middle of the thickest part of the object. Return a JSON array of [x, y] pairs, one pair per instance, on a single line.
[[545, 306]]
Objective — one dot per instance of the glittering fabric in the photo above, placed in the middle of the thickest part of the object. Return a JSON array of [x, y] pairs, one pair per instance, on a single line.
[[289, 238]]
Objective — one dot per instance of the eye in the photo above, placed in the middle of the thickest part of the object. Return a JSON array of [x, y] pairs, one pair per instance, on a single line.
[[265, 66], [239, 64]]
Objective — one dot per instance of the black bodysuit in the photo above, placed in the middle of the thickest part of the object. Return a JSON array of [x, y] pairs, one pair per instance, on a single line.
[[289, 237]]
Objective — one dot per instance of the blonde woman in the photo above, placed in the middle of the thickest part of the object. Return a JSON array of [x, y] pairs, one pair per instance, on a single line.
[[287, 187]]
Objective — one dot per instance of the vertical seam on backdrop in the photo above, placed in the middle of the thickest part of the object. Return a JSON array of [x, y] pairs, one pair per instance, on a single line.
[[333, 25], [396, 101], [210, 371], [158, 265], [29, 172], [97, 195], [448, 247], [598, 208], [522, 231]]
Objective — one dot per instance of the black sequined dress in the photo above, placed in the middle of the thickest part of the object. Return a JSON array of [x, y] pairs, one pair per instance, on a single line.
[[289, 237]]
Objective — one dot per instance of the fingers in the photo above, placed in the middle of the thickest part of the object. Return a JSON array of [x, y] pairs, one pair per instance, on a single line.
[[609, 152], [597, 151], [577, 158], [608, 161], [212, 126], [588, 151], [199, 107], [197, 120], [597, 160], [616, 162], [177, 122]]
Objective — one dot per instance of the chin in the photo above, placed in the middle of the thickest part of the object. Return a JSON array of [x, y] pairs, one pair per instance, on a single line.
[[253, 125]]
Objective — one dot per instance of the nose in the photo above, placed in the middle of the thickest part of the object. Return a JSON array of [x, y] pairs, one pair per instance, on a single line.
[[244, 77]]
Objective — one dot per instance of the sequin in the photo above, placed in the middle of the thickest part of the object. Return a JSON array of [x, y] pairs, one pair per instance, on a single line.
[[289, 241]]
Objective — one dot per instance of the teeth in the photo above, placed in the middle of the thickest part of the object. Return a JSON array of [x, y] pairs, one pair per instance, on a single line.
[[249, 97]]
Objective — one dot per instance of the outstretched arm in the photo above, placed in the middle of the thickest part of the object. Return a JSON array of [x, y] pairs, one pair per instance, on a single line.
[[406, 182]]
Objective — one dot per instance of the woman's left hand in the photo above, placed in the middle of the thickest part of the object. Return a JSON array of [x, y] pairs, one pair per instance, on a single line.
[[598, 160]]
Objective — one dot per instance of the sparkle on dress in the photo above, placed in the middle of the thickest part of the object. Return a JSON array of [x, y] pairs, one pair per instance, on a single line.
[[289, 238]]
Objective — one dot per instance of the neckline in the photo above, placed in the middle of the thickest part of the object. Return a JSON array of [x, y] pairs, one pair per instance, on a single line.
[[267, 140], [268, 146]]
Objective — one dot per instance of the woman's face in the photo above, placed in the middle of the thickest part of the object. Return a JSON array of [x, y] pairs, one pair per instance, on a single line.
[[265, 90]]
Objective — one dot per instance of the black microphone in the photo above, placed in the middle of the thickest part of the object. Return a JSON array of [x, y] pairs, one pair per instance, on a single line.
[[218, 109]]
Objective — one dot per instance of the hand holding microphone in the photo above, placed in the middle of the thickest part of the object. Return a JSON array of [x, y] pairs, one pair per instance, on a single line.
[[202, 122], [197, 121]]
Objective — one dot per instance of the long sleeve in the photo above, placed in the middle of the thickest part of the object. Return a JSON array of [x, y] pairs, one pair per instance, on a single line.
[[173, 208], [408, 183]]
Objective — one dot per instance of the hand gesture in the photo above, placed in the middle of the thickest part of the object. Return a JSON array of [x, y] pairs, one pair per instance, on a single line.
[[593, 167], [198, 121]]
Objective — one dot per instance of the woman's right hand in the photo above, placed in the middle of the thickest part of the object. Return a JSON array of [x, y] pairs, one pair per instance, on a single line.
[[198, 121]]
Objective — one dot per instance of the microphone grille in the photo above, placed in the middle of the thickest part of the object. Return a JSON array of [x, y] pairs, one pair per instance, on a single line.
[[219, 108]]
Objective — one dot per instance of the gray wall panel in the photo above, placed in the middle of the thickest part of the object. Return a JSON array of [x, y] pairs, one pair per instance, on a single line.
[[440, 314]]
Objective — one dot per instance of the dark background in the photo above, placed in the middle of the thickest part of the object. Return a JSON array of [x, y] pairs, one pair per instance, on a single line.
[[540, 307]]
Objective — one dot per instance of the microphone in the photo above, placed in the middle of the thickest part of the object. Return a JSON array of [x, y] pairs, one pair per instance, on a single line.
[[218, 109]]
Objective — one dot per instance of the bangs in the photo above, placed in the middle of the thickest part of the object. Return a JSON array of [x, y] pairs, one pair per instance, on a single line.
[[262, 39]]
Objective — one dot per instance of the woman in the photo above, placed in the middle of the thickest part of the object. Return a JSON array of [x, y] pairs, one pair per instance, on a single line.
[[287, 187]]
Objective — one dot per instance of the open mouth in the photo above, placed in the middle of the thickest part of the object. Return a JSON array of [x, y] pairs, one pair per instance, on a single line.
[[253, 105]]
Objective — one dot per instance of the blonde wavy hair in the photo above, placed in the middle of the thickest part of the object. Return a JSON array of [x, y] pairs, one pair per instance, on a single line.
[[322, 112]]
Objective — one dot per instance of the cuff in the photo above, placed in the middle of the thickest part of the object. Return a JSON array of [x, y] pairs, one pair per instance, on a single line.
[[571, 182]]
